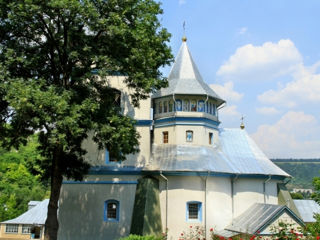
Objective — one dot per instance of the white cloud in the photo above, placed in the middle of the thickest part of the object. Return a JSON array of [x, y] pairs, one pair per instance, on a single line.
[[242, 30], [229, 111], [226, 91], [295, 135], [267, 110], [305, 88], [257, 63], [181, 2]]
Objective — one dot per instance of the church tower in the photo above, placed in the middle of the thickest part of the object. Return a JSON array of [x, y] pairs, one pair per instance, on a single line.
[[186, 112]]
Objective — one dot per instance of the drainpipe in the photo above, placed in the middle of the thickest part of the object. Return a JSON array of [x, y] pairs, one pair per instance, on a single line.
[[205, 204], [264, 189], [233, 180], [166, 179]]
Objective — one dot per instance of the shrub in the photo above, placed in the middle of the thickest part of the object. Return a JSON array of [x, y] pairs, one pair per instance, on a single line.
[[137, 237]]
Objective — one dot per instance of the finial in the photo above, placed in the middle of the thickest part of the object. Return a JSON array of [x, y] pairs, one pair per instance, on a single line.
[[242, 124], [184, 38]]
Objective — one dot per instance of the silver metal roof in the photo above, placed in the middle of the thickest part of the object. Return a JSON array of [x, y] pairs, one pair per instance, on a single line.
[[185, 79], [36, 215], [307, 208], [254, 218], [236, 153]]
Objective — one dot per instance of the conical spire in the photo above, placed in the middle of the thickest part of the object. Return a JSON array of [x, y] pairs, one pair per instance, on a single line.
[[185, 79]]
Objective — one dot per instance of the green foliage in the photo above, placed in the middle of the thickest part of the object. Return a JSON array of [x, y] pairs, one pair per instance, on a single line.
[[313, 229], [17, 185], [302, 171], [296, 195], [316, 194], [137, 237]]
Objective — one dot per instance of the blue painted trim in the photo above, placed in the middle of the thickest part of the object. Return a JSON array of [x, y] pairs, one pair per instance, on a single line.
[[100, 182], [187, 119], [186, 124], [143, 122], [105, 218], [199, 219], [111, 170], [114, 169]]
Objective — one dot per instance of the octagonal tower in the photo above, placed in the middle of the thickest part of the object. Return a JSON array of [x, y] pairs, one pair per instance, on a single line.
[[186, 112]]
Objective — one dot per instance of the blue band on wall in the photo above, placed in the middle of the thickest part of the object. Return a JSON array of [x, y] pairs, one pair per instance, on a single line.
[[100, 182], [143, 122]]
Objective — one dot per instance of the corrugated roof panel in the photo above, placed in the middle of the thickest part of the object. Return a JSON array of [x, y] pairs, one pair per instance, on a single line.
[[236, 153], [254, 218], [36, 215], [307, 208]]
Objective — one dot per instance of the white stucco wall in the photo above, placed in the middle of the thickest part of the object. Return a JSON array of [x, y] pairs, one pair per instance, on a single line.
[[177, 135], [183, 189], [81, 209]]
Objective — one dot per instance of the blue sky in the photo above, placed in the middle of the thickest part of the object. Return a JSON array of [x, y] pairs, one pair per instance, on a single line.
[[263, 57]]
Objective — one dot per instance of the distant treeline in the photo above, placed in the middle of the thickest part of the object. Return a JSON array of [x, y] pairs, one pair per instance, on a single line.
[[311, 160], [302, 171]]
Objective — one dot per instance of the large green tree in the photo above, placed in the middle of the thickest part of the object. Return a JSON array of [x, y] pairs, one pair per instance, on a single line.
[[49, 50]]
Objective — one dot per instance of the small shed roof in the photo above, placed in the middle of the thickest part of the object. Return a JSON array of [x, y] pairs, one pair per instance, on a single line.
[[307, 208], [257, 218], [36, 215]]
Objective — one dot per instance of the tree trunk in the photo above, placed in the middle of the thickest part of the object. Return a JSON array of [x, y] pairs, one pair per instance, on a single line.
[[52, 224]]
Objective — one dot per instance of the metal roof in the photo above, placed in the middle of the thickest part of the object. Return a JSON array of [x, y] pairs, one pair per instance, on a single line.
[[258, 217], [36, 215], [307, 208], [185, 79], [236, 153]]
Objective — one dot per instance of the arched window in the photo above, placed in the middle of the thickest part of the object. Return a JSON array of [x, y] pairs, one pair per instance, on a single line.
[[170, 106], [165, 106], [213, 109], [201, 106], [189, 136], [111, 210], [160, 107], [185, 106], [178, 105], [194, 211], [193, 106]]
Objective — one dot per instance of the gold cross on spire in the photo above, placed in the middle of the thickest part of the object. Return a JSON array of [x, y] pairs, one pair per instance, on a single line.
[[242, 124], [184, 38]]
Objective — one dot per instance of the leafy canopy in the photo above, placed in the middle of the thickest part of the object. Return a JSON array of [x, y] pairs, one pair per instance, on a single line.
[[49, 50]]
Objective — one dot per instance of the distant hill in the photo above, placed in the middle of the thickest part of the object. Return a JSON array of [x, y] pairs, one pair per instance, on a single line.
[[302, 171]]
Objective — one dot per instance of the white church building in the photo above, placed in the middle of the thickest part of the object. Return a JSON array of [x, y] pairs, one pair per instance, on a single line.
[[189, 171]]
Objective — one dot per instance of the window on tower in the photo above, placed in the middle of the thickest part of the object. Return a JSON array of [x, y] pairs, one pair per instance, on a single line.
[[165, 136], [210, 138], [189, 136]]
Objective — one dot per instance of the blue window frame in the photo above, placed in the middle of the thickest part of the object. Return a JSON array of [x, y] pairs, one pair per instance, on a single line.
[[108, 159], [111, 210], [194, 211], [201, 106], [178, 105]]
